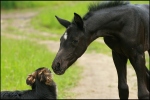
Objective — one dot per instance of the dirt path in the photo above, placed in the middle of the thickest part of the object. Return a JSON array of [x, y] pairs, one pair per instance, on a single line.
[[99, 77]]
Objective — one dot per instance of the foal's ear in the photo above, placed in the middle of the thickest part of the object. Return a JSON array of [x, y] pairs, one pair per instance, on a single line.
[[78, 20], [63, 22]]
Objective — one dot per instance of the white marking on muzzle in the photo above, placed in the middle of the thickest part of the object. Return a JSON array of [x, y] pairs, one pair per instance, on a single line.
[[65, 36]]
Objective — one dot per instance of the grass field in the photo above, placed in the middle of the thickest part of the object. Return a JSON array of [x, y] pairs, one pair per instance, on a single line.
[[23, 4], [46, 20]]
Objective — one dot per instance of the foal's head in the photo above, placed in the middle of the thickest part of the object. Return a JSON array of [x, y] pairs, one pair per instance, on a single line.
[[72, 44]]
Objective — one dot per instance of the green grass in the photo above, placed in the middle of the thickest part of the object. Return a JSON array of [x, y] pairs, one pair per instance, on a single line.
[[46, 20], [7, 5], [21, 57], [139, 2], [98, 47]]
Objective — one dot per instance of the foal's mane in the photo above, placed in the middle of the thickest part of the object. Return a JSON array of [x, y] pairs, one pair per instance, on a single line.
[[108, 4]]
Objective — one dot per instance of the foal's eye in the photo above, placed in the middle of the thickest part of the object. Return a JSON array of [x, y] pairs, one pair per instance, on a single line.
[[74, 41]]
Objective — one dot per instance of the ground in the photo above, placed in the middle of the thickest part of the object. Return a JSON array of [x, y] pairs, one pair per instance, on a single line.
[[99, 77]]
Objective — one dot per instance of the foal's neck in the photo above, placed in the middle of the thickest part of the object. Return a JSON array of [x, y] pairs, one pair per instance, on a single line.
[[105, 23]]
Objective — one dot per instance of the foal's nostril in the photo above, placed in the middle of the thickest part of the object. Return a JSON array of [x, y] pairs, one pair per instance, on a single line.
[[57, 67]]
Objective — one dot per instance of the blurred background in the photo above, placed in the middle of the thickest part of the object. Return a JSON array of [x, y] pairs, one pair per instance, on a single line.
[[30, 37]]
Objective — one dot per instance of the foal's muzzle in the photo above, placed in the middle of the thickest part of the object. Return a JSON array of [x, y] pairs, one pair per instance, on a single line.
[[57, 68]]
